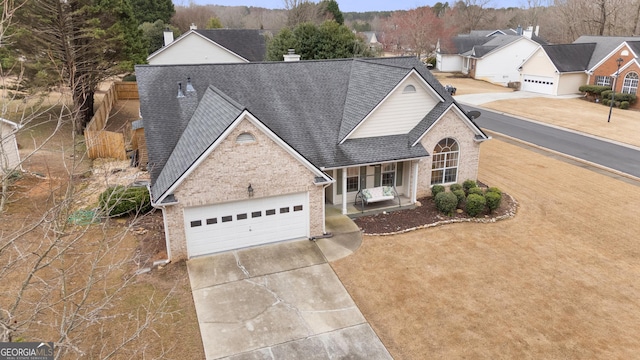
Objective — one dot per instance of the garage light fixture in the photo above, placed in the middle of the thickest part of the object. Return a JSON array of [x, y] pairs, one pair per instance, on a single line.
[[250, 190]]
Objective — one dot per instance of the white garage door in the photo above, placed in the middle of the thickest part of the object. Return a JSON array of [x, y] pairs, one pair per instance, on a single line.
[[222, 227], [537, 84]]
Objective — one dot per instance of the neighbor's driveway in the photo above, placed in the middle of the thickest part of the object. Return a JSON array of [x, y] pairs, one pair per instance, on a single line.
[[280, 301]]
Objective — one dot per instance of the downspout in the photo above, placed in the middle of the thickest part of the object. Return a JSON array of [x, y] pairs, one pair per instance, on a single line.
[[414, 191], [344, 191], [161, 262]]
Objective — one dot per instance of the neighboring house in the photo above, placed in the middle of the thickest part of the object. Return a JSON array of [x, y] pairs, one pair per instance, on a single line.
[[493, 56], [248, 154], [371, 39], [9, 155], [561, 69], [211, 47]]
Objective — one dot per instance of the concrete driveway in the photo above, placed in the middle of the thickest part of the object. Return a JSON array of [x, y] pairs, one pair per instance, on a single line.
[[281, 301]]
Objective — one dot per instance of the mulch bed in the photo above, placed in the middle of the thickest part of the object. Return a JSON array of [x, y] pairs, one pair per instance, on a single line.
[[426, 215]]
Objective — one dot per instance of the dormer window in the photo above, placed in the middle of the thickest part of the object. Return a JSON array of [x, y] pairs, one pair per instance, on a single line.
[[245, 138], [409, 89]]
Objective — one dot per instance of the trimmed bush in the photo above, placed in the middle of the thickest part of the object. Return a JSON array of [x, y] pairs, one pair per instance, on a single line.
[[130, 77], [593, 89], [495, 190], [461, 197], [493, 200], [455, 187], [475, 204], [446, 202], [437, 189], [468, 184], [476, 190], [120, 200], [624, 105]]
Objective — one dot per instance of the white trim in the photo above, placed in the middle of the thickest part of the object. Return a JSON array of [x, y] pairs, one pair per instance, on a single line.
[[398, 87], [414, 190], [625, 66], [541, 48], [166, 231], [245, 115], [344, 191], [376, 163], [504, 47], [194, 31], [462, 116]]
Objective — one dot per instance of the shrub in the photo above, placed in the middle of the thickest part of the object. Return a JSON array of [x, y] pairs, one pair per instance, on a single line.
[[130, 77], [461, 197], [446, 202], [455, 187], [120, 200], [495, 190], [593, 89], [468, 184], [476, 190], [493, 200], [475, 204], [437, 189], [624, 105]]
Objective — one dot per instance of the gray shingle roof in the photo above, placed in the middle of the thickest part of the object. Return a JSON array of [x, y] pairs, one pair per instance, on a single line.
[[309, 104], [250, 44], [604, 45], [635, 47], [570, 57]]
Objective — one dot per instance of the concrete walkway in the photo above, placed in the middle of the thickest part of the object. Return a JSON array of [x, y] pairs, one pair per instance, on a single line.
[[479, 99], [282, 301]]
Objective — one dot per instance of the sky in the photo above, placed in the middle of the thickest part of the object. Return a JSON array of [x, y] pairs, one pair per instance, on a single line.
[[351, 5]]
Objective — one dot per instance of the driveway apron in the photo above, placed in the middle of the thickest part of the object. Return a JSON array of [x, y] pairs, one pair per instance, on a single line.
[[279, 301]]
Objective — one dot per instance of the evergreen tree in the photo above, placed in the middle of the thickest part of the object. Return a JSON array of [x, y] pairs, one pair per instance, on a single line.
[[152, 10]]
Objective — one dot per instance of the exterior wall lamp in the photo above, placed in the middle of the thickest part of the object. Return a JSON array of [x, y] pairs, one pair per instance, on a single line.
[[613, 88], [250, 190]]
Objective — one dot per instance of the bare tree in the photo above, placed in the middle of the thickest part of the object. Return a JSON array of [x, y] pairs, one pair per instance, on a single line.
[[472, 14]]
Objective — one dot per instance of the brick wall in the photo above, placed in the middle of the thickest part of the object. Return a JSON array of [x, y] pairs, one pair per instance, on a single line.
[[227, 172], [610, 67], [451, 126]]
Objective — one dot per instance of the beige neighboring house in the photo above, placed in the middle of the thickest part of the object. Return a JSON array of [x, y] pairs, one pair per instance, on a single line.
[[249, 154], [211, 47], [9, 155]]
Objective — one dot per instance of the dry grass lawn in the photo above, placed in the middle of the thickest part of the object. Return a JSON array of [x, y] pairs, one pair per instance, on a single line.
[[560, 280], [465, 85]]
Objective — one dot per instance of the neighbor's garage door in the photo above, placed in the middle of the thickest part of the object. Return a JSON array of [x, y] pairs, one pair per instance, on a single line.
[[538, 84], [222, 227]]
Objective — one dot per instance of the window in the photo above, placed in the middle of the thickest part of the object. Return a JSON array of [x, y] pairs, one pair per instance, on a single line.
[[444, 165], [297, 208], [270, 212], [630, 85], [388, 174], [241, 216], [212, 221], [603, 80], [196, 223], [256, 214], [353, 179], [284, 210], [227, 218]]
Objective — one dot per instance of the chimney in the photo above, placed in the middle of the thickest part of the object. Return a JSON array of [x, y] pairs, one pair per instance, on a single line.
[[168, 36], [527, 33], [519, 30], [193, 27], [537, 30], [291, 56]]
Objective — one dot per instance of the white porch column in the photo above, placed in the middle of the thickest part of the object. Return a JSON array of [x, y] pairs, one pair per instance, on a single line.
[[414, 182], [344, 191]]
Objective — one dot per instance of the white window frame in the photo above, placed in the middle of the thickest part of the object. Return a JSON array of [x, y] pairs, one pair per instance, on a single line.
[[445, 161], [353, 173], [388, 169], [630, 84], [603, 80]]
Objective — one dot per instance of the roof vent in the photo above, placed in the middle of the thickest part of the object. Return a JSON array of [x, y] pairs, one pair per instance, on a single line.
[[291, 55], [189, 86], [180, 92]]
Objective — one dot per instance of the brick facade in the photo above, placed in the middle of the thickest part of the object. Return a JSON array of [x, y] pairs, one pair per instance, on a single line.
[[450, 126], [609, 67], [227, 172]]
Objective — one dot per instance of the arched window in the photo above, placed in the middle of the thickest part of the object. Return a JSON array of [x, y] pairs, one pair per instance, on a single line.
[[245, 138], [630, 85], [444, 162], [409, 89]]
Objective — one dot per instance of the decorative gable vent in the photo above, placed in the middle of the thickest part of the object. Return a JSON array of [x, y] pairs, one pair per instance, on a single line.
[[245, 138], [409, 89]]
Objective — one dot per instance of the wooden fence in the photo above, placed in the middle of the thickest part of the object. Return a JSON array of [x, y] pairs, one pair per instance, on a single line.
[[108, 144]]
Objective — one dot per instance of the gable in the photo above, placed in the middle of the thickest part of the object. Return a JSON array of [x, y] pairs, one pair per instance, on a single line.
[[193, 48], [624, 51], [401, 111], [517, 50], [538, 64]]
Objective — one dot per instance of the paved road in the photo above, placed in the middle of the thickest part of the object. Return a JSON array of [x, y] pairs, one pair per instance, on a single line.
[[605, 153]]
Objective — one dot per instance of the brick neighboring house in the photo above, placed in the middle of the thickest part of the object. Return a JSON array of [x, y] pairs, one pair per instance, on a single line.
[[248, 154]]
